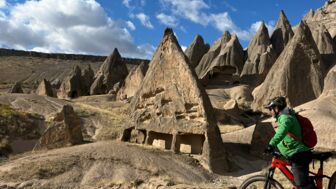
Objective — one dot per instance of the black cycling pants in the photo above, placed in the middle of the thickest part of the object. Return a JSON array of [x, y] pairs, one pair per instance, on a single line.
[[300, 168]]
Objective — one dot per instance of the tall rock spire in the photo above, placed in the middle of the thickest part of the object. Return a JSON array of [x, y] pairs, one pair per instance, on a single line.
[[172, 110], [300, 57], [325, 44], [213, 52], [112, 71], [282, 33], [196, 50], [260, 57]]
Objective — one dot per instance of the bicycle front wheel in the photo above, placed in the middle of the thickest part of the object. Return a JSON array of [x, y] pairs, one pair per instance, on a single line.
[[258, 182], [332, 181]]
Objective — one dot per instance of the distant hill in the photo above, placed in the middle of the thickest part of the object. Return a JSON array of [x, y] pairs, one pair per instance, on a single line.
[[30, 67]]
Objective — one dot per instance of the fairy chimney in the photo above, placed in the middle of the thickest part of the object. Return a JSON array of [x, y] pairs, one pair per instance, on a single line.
[[213, 52], [282, 33], [71, 87], [112, 71], [261, 57], [196, 50], [87, 79], [172, 110], [44, 88], [132, 81], [325, 44], [16, 88], [300, 57], [229, 61]]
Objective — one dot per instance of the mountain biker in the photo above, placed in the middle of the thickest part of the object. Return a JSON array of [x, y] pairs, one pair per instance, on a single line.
[[294, 150]]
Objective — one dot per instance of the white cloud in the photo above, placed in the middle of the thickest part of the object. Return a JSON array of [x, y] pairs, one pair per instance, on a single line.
[[2, 3], [197, 11], [167, 20], [126, 3], [190, 10], [145, 20], [183, 48], [255, 27], [130, 25], [63, 26]]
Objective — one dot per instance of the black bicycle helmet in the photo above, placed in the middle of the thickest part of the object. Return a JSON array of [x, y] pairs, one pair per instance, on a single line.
[[279, 101]]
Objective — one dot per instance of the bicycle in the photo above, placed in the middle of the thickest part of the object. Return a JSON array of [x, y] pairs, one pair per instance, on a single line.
[[267, 181]]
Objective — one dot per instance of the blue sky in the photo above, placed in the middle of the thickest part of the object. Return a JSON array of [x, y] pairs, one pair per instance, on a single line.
[[135, 27]]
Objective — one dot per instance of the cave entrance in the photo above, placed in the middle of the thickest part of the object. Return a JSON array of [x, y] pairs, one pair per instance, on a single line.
[[160, 140], [190, 143]]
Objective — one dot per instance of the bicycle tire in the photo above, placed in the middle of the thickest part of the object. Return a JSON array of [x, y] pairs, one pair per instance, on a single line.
[[332, 181], [259, 178]]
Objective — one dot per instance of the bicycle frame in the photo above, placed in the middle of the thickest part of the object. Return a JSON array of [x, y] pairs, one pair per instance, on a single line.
[[283, 167]]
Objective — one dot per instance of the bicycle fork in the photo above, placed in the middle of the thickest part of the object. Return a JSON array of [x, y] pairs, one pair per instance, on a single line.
[[269, 177]]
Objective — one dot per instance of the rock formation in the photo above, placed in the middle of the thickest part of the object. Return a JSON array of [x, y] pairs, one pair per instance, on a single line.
[[112, 71], [325, 44], [172, 111], [255, 137], [324, 16], [212, 54], [330, 82], [297, 73], [87, 79], [71, 87], [260, 57], [322, 114], [44, 89], [16, 88], [64, 129], [225, 58], [196, 50], [132, 81], [282, 33]]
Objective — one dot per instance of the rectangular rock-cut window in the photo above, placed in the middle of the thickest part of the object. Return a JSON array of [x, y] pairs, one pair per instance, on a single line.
[[160, 140], [190, 143]]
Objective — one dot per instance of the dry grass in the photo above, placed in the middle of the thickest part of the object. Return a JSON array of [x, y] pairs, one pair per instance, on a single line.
[[110, 116]]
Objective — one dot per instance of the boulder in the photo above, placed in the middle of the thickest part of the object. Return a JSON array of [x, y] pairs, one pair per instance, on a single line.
[[255, 137], [112, 71], [71, 87], [173, 110], [132, 81], [282, 33], [300, 57], [65, 129], [260, 58], [16, 88], [196, 50], [44, 89]]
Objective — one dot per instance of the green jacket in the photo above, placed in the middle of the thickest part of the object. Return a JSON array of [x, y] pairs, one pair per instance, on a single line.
[[287, 122]]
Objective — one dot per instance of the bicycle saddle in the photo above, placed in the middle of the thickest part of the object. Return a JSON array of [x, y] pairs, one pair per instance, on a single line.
[[322, 156]]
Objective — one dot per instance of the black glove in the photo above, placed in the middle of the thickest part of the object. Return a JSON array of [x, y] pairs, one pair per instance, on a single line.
[[269, 149]]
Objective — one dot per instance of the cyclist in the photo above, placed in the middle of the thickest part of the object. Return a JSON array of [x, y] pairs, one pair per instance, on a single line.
[[294, 150]]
